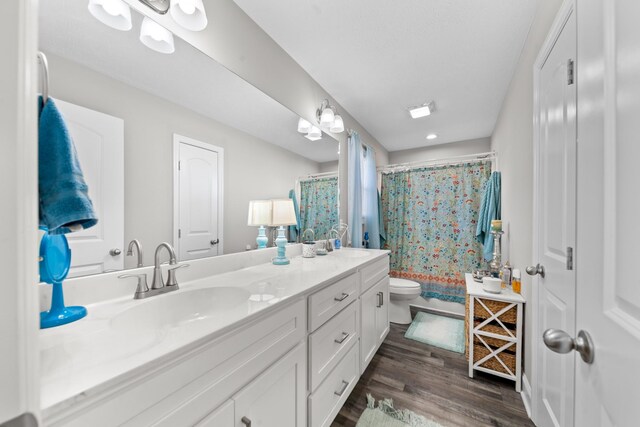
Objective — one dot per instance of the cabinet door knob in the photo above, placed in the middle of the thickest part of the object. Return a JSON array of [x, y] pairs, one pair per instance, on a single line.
[[246, 421]]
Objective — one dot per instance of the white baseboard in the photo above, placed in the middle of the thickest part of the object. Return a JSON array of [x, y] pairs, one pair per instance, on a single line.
[[526, 394]]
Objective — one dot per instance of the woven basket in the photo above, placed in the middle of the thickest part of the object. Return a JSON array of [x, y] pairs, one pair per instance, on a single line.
[[480, 314], [510, 316], [509, 359]]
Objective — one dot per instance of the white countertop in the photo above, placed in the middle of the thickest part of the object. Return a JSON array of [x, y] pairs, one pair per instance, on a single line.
[[507, 295], [83, 358]]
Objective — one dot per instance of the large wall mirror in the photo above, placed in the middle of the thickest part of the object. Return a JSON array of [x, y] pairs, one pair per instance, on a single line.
[[173, 146]]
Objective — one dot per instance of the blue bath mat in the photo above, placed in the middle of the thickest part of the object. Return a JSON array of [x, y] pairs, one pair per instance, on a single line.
[[439, 331]]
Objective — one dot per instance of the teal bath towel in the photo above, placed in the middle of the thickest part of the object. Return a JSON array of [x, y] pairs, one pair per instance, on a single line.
[[489, 210], [65, 205]]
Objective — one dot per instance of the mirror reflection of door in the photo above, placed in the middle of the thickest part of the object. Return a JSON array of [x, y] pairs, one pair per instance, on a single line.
[[99, 141], [197, 199]]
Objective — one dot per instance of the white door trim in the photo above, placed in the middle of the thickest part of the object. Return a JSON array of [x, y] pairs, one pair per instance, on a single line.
[[567, 8], [19, 361], [177, 140]]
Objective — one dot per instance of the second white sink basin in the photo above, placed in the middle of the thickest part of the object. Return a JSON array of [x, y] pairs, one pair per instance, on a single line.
[[180, 308], [352, 253]]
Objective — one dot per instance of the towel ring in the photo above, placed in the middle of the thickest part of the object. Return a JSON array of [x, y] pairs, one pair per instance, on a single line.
[[42, 60]]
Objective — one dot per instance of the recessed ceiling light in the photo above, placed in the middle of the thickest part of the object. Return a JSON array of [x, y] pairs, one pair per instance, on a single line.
[[421, 110], [432, 136]]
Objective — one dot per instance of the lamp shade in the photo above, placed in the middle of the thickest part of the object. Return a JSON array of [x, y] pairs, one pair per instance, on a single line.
[[303, 125], [314, 132], [156, 37], [189, 14], [326, 119], [259, 212], [114, 13], [283, 213], [338, 125]]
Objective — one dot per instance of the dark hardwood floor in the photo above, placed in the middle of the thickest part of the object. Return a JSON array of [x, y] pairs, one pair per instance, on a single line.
[[433, 382]]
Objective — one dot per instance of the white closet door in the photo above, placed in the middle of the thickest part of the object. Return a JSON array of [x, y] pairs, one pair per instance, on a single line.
[[199, 200], [607, 392], [99, 141]]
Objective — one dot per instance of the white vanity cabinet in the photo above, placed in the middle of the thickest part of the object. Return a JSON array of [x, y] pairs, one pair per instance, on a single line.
[[292, 366], [374, 309], [276, 398]]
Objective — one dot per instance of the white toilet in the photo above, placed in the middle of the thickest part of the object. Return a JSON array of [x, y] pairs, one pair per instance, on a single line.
[[402, 292]]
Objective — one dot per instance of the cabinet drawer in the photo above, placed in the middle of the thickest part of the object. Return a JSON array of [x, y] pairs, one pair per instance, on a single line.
[[325, 304], [331, 341], [371, 274], [326, 401]]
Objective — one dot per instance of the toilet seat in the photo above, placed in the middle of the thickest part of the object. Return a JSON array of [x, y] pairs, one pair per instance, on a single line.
[[403, 287]]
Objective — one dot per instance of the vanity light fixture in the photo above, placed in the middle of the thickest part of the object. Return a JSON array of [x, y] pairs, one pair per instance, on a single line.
[[432, 136], [156, 37], [421, 110], [189, 14], [114, 13], [328, 117]]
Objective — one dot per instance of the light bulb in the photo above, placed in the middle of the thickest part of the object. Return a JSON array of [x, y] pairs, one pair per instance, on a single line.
[[156, 37], [338, 125], [189, 14], [327, 117]]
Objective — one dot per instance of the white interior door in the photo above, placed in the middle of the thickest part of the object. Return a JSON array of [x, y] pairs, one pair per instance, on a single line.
[[99, 141], [608, 390], [554, 228], [198, 199]]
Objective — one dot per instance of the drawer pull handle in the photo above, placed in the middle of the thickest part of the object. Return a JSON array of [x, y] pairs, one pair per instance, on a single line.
[[340, 392], [380, 299], [341, 298], [340, 340], [246, 421]]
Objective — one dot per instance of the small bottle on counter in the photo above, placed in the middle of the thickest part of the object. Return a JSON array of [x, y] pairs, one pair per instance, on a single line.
[[516, 282], [506, 276]]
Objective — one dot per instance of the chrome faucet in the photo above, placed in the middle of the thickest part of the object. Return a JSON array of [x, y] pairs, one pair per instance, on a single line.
[[136, 243], [158, 282]]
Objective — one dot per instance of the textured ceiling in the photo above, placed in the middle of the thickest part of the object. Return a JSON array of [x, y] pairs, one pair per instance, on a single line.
[[187, 77], [377, 57]]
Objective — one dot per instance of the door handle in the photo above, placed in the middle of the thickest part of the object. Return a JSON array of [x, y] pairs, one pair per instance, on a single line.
[[532, 270], [340, 392], [341, 298], [215, 242], [344, 336], [246, 421], [380, 299], [561, 342], [115, 252]]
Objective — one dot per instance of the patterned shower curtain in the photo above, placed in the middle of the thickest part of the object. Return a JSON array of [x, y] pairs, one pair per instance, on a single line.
[[430, 215], [319, 205]]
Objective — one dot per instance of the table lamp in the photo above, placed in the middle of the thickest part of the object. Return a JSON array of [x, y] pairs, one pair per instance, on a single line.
[[282, 214], [260, 215]]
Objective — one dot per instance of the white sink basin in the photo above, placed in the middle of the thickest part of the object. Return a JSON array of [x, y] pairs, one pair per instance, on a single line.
[[181, 308], [352, 253]]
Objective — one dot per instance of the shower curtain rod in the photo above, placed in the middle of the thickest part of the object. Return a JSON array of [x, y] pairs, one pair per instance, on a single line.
[[490, 155]]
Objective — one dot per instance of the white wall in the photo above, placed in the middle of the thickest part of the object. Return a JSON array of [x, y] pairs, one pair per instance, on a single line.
[[250, 164], [512, 139], [431, 152]]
